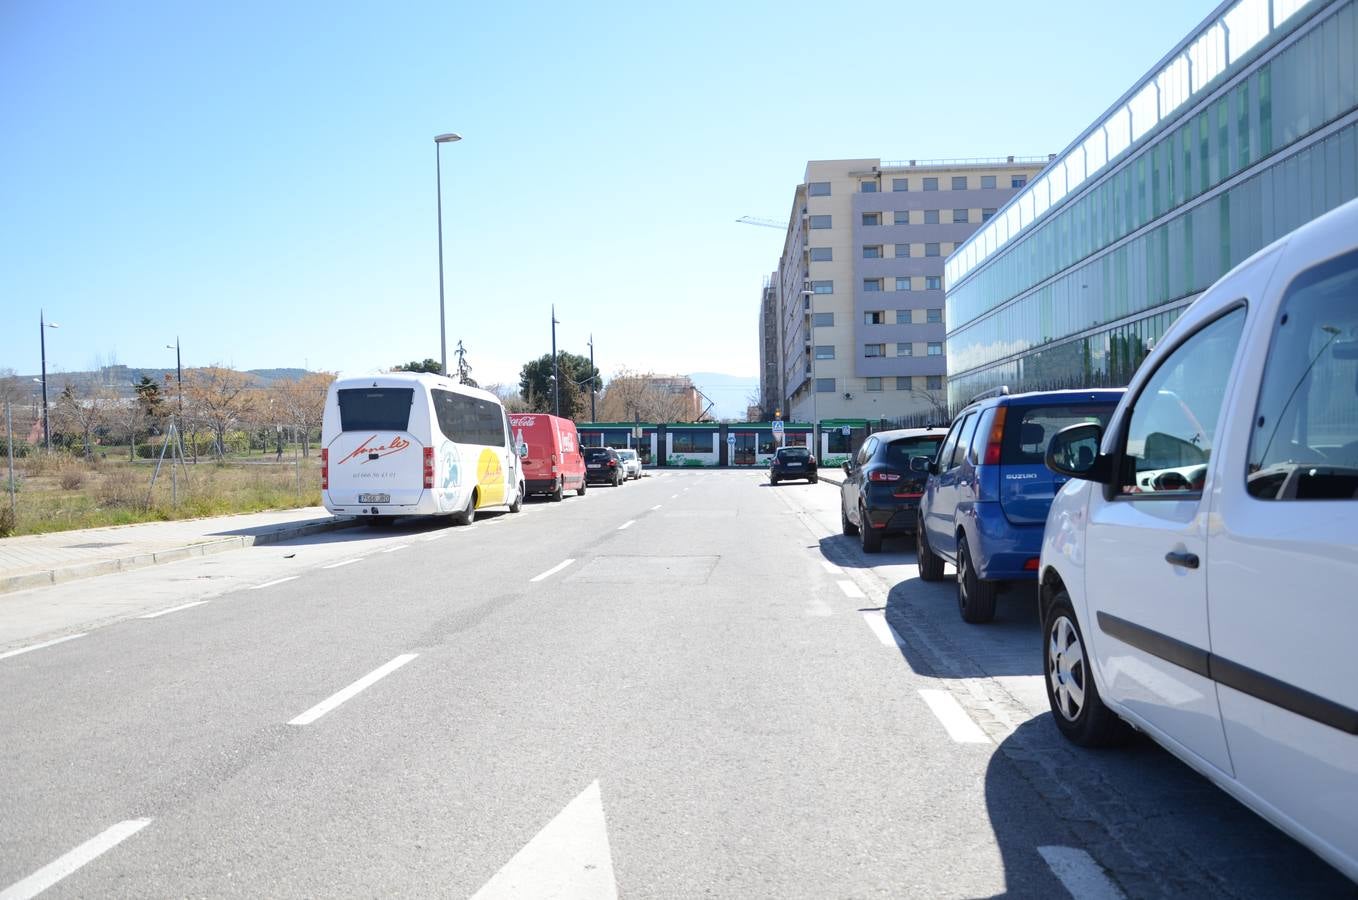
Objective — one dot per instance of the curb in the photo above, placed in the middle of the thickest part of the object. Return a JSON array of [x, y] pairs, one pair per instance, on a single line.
[[174, 554], [836, 482]]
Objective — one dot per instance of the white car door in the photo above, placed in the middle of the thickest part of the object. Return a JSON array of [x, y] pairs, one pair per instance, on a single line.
[[1283, 561], [1145, 585]]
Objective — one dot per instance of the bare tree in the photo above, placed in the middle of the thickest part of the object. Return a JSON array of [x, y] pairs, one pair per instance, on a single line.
[[83, 411], [510, 397], [633, 396], [936, 402], [127, 417], [221, 397]]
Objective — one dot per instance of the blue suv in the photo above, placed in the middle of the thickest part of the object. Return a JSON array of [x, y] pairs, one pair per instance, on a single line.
[[986, 501]]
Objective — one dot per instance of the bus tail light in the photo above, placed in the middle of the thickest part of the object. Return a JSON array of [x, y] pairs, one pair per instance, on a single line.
[[325, 469], [428, 467]]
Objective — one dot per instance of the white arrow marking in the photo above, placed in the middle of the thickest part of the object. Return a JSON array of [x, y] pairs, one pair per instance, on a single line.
[[569, 858]]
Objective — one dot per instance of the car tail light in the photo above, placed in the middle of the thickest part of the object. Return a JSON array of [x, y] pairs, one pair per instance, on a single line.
[[325, 469], [1031, 564], [883, 475], [428, 467], [812, 461], [612, 463], [992, 447]]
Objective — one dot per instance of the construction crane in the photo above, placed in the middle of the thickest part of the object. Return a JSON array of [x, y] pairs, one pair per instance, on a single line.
[[763, 223]]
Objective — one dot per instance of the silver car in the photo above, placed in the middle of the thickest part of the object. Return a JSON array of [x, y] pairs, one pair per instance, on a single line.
[[631, 463]]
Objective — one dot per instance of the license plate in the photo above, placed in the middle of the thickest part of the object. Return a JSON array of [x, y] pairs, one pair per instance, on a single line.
[[596, 466], [794, 465], [374, 498]]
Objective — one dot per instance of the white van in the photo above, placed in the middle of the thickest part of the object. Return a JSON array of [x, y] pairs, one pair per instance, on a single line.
[[408, 444]]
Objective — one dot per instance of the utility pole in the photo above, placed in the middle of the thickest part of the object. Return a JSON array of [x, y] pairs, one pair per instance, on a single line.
[[43, 325], [593, 381], [556, 373]]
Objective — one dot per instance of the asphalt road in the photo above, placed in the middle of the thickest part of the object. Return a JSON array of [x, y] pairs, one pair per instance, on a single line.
[[687, 686]]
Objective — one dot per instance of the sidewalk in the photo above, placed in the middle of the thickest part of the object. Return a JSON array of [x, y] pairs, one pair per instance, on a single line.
[[43, 559]]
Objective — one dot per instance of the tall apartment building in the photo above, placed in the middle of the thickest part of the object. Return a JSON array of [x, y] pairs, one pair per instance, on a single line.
[[860, 325], [770, 366], [1244, 131]]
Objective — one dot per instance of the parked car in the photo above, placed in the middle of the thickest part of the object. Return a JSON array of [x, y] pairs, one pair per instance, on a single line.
[[986, 502], [880, 494], [1198, 575], [793, 462], [603, 464], [631, 463], [550, 451]]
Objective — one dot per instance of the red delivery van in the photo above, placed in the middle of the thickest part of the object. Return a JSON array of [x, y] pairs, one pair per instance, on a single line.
[[552, 463]]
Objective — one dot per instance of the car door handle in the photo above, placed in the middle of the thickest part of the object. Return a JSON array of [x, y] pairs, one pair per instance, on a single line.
[[1185, 559]]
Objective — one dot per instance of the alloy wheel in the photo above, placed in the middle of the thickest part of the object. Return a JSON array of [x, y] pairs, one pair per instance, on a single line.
[[1066, 669]]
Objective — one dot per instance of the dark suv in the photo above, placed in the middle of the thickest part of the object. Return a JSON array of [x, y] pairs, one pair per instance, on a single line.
[[604, 464], [792, 462], [989, 490], [880, 494]]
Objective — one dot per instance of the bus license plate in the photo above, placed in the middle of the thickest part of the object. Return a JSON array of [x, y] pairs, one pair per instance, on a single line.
[[374, 498]]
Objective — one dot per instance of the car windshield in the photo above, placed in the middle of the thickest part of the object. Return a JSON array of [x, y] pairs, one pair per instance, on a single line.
[[627, 454], [596, 453], [899, 452], [794, 454]]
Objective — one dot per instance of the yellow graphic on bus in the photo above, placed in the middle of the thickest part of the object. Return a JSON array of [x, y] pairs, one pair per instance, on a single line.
[[490, 478]]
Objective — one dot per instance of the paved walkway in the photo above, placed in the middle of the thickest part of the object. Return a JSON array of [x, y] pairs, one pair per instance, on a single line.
[[35, 560]]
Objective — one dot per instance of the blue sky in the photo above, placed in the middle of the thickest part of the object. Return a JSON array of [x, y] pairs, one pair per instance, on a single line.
[[258, 178]]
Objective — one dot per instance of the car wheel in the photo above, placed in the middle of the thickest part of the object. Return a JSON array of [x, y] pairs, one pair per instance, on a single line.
[[812, 480], [580, 491], [773, 479], [559, 492], [468, 515], [845, 525], [975, 598], [1077, 709], [518, 500], [616, 480], [872, 538], [930, 564]]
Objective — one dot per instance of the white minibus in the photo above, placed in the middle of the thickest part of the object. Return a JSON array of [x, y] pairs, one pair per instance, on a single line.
[[413, 444]]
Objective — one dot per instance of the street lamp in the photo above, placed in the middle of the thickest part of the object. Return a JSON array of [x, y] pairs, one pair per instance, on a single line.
[[179, 375], [448, 138], [815, 401], [592, 382], [556, 381], [43, 325]]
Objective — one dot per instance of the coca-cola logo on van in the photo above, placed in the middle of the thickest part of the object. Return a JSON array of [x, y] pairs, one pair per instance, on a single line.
[[365, 450], [522, 421]]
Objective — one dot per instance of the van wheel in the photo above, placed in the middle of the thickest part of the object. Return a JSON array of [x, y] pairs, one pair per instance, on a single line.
[[468, 515], [518, 500], [1077, 709], [872, 538], [580, 491], [975, 598], [930, 564], [559, 492]]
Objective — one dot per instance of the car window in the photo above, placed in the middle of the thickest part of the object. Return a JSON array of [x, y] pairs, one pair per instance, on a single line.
[[1170, 436], [963, 439], [793, 453], [945, 451], [1304, 445], [866, 451], [1029, 429], [596, 453], [899, 452]]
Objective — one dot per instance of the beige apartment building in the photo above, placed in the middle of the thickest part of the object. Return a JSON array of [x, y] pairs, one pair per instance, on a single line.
[[854, 311]]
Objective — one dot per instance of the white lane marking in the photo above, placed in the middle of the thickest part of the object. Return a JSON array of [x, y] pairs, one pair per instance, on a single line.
[[851, 590], [1080, 874], [64, 865], [30, 647], [657, 506], [352, 690], [274, 582], [882, 628], [435, 536], [628, 524], [552, 571], [954, 718], [343, 562], [166, 612], [831, 567], [397, 547]]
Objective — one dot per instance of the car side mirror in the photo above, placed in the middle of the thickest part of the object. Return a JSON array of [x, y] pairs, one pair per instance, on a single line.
[[848, 467], [919, 465], [1074, 453], [932, 468]]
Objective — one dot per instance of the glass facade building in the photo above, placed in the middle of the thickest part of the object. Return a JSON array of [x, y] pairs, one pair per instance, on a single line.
[[1248, 129]]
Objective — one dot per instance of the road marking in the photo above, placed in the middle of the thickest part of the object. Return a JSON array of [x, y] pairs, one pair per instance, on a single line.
[[166, 612], [60, 640], [628, 524], [882, 628], [274, 582], [674, 496], [831, 567], [851, 590], [552, 571], [954, 718], [1080, 874], [352, 690], [343, 562], [394, 549], [657, 506], [569, 857], [435, 536], [64, 865]]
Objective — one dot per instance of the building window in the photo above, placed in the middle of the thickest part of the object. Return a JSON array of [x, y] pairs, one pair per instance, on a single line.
[[870, 219], [931, 250], [902, 282], [1018, 181], [871, 285], [900, 184], [987, 182], [902, 317], [935, 348], [959, 182], [825, 385], [818, 189], [902, 251], [931, 184], [905, 348], [933, 382], [823, 320], [931, 217], [867, 187], [901, 217], [874, 384], [903, 383], [822, 287], [825, 351], [874, 317], [933, 316], [961, 215], [872, 251], [822, 254], [933, 282], [987, 213], [873, 350], [820, 222]]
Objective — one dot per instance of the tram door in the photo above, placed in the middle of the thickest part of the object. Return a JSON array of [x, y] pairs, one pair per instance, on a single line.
[[743, 453]]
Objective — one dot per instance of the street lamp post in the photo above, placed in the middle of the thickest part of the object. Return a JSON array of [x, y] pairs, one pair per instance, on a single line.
[[43, 325], [815, 401], [556, 375], [179, 375], [592, 381], [448, 138]]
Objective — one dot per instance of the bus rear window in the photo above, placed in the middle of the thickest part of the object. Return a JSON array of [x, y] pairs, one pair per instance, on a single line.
[[375, 409]]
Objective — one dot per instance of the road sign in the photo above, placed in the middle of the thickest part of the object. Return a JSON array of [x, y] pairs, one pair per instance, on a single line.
[[731, 439], [845, 430], [777, 426]]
